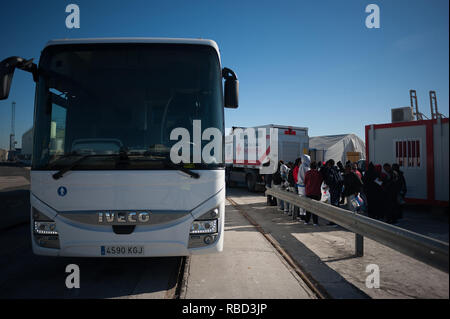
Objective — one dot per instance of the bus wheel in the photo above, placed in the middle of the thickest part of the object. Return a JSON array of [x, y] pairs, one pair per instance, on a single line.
[[251, 182]]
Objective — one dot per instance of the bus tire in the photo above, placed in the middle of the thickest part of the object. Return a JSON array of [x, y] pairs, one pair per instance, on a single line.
[[250, 180]]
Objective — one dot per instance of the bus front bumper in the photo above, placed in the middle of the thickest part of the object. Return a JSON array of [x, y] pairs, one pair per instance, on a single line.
[[171, 239]]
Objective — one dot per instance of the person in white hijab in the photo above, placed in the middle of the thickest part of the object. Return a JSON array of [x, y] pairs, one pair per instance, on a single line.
[[304, 167]]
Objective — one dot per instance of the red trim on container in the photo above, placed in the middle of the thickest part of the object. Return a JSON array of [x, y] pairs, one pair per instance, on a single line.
[[246, 162], [430, 160], [410, 160], [367, 145], [427, 202], [258, 162], [289, 132], [265, 154], [411, 123], [405, 155], [418, 152]]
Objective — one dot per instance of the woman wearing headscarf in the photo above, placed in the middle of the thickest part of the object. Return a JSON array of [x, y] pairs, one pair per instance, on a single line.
[[304, 167]]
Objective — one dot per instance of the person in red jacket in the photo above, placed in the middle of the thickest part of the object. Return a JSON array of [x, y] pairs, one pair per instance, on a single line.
[[295, 171], [313, 183]]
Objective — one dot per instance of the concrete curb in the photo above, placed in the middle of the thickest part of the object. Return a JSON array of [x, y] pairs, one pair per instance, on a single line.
[[184, 281]]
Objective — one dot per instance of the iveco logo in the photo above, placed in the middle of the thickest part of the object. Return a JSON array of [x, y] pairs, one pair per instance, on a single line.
[[123, 217]]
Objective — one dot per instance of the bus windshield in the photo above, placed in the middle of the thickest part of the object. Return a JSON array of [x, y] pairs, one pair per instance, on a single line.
[[108, 99]]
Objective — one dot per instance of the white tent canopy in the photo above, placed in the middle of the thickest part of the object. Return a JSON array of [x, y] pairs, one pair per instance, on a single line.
[[336, 146]]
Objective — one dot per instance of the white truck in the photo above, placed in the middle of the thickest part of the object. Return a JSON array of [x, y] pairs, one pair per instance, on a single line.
[[247, 157], [108, 116]]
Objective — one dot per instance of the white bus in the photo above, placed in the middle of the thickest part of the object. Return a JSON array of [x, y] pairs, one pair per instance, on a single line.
[[102, 179]]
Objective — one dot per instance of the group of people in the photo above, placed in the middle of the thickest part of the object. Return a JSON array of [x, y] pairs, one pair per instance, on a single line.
[[379, 191], [385, 189]]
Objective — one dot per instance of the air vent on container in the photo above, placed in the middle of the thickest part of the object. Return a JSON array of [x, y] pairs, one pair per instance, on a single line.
[[402, 114]]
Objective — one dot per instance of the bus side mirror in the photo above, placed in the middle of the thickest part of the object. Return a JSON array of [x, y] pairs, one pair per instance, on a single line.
[[7, 68], [231, 90]]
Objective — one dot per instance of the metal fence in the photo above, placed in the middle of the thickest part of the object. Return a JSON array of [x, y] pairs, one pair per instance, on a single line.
[[428, 250]]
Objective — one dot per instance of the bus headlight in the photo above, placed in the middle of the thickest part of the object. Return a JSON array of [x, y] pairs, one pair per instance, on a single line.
[[45, 228], [204, 227]]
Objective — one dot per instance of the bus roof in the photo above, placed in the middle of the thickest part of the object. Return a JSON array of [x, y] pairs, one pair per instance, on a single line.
[[207, 42]]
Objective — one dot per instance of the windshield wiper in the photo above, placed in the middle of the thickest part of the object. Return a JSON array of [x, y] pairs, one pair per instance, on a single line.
[[180, 167], [75, 163], [170, 164]]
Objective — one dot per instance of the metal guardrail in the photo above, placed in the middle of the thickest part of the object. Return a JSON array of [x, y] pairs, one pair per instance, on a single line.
[[428, 250]]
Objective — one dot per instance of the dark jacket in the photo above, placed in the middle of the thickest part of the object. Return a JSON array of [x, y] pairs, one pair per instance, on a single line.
[[391, 183], [332, 178], [276, 178], [352, 184], [313, 183], [402, 183]]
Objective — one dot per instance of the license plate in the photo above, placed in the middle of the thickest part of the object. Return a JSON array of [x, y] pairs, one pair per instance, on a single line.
[[122, 250]]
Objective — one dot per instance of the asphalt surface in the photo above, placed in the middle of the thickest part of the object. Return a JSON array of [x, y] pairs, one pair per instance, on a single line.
[[14, 196], [25, 275]]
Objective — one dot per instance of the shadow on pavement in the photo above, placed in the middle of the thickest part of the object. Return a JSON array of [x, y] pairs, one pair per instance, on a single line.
[[282, 228], [25, 275], [14, 208]]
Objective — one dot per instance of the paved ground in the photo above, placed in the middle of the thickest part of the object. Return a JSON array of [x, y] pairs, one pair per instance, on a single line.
[[14, 195], [249, 267], [327, 253], [429, 221], [24, 275]]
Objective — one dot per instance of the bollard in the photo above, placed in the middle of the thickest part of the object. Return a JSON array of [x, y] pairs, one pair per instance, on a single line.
[[359, 245]]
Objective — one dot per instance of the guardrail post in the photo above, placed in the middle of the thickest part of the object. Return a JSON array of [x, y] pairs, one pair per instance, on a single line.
[[359, 245]]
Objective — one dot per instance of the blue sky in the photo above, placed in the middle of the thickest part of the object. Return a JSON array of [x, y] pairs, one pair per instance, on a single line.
[[299, 63]]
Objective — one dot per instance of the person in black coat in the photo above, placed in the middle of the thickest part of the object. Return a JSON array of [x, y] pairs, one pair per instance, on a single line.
[[390, 190], [401, 191], [373, 191], [333, 179]]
